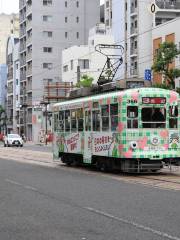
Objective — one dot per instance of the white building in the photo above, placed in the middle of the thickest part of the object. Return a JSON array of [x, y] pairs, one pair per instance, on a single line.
[[13, 84], [132, 23], [9, 24], [108, 14], [46, 28], [81, 60]]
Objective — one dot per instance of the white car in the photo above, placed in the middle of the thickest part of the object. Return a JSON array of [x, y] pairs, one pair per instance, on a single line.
[[13, 140]]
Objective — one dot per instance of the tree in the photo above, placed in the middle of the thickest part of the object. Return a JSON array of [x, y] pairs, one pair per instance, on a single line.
[[85, 81], [164, 58]]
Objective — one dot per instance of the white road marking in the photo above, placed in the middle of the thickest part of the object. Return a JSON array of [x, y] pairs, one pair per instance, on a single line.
[[137, 225], [20, 184], [31, 188], [13, 182]]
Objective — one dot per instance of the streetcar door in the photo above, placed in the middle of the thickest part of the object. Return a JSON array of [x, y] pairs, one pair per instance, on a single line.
[[88, 137]]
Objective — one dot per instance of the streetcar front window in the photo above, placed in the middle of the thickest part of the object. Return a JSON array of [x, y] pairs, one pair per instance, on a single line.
[[173, 117], [132, 117], [114, 116], [105, 117], [153, 117]]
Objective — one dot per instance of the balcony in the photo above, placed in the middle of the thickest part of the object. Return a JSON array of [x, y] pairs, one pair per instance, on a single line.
[[133, 31], [133, 52], [133, 72], [29, 56], [10, 90], [29, 102], [22, 3], [29, 71], [29, 40], [133, 11], [28, 9], [29, 118], [22, 76], [23, 62], [28, 24], [29, 86], [22, 47], [22, 32]]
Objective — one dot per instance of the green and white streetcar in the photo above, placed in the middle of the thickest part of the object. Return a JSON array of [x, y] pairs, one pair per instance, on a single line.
[[134, 130]]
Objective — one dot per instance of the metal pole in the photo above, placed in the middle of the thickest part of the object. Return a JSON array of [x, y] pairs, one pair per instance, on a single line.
[[46, 122]]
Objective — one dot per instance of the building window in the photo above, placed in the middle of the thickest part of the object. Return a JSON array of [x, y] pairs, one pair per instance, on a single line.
[[66, 34], [65, 68], [65, 4], [72, 64], [46, 81], [47, 34], [47, 49], [83, 63], [47, 65], [77, 35], [47, 18], [126, 26], [17, 82], [47, 2], [77, 4], [66, 19], [77, 19]]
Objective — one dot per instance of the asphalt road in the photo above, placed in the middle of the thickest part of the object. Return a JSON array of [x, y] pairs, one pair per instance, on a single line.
[[41, 203]]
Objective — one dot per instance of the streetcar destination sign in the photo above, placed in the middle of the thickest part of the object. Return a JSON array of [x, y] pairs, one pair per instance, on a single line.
[[153, 100]]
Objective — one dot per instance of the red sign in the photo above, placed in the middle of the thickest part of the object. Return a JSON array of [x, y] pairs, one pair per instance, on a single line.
[[153, 100]]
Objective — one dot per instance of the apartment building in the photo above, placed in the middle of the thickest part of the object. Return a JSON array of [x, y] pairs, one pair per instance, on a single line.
[[132, 24], [3, 82], [13, 85], [108, 14], [46, 28], [84, 60], [9, 24], [168, 32]]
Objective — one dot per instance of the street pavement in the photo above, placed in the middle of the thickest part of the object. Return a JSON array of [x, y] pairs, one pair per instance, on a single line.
[[46, 203]]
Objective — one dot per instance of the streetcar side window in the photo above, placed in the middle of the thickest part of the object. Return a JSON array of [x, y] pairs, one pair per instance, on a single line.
[[73, 121], [67, 120], [88, 120], [55, 122], [114, 116], [80, 120], [173, 117], [96, 120], [132, 117], [61, 121], [105, 117], [153, 117]]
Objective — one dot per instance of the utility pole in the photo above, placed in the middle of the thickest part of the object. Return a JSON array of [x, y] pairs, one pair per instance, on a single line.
[[46, 118]]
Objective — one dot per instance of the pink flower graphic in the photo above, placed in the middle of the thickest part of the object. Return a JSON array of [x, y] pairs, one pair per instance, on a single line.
[[166, 146], [120, 147], [128, 154], [173, 97], [135, 95], [120, 127], [142, 143], [164, 133]]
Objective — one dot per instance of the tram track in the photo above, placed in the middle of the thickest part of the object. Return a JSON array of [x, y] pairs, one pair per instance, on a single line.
[[164, 179]]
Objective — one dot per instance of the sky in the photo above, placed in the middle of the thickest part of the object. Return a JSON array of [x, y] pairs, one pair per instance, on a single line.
[[9, 6]]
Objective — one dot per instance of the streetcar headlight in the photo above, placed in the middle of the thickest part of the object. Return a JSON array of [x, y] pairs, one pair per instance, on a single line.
[[133, 145]]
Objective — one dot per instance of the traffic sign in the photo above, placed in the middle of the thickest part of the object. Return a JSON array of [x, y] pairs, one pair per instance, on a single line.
[[147, 75]]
